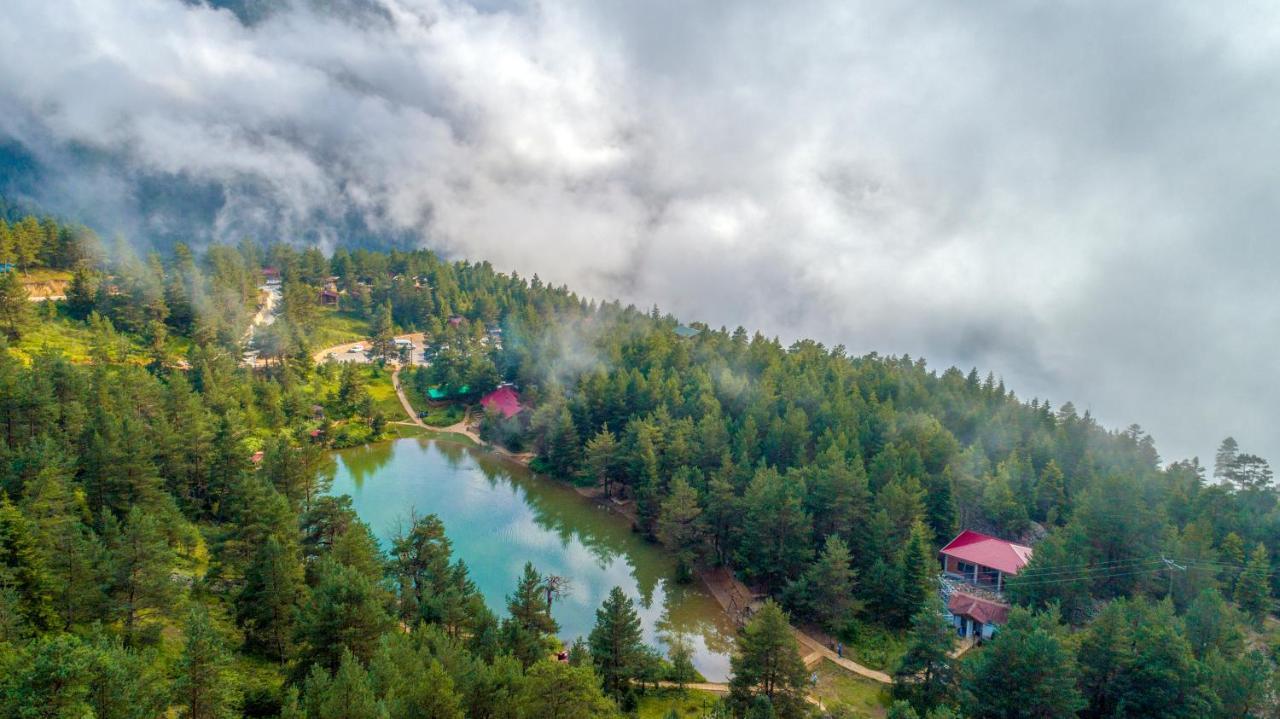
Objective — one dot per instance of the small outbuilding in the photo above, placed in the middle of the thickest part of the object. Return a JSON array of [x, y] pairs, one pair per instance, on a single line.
[[504, 400]]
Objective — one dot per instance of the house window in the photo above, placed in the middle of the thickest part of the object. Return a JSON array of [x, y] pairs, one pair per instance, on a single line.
[[965, 568]]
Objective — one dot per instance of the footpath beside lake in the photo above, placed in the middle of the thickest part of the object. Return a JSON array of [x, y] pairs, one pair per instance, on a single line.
[[499, 515]]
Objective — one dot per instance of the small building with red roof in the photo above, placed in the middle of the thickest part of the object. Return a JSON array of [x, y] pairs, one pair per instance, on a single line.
[[983, 560], [974, 568], [504, 400]]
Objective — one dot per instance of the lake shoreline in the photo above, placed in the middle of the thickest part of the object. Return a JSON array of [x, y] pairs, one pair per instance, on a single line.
[[564, 534]]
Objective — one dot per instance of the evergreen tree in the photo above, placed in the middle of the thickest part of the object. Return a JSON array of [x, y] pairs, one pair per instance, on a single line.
[[23, 568], [778, 528], [680, 527], [927, 676], [1024, 672], [1212, 626], [826, 591], [1252, 589], [344, 612], [681, 656], [553, 690], [527, 631], [601, 462], [349, 695], [205, 688], [616, 647], [919, 570], [382, 335], [141, 560], [767, 664], [267, 604], [15, 309], [72, 552]]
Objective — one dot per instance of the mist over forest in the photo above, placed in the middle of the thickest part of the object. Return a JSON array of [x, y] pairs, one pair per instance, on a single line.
[[1077, 201]]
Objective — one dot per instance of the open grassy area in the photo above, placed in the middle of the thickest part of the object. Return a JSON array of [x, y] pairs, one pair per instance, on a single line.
[[837, 686], [334, 328], [873, 646], [688, 704], [74, 340], [378, 382]]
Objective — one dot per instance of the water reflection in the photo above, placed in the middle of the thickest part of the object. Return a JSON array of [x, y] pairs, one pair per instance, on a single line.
[[498, 516]]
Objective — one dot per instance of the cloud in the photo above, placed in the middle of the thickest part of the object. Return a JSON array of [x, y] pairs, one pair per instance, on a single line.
[[1079, 197]]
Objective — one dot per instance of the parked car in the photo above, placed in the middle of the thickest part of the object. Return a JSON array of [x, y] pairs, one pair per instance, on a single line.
[[356, 348]]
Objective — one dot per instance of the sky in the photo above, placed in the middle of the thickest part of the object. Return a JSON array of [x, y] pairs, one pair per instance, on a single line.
[[1081, 197]]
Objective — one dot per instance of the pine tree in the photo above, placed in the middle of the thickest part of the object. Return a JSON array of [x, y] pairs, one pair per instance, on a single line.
[[1024, 671], [15, 309], [526, 632], [554, 690], [71, 550], [349, 695], [1224, 463], [1252, 590], [767, 664], [825, 592], [681, 656], [412, 684], [601, 463], [919, 572], [779, 530], [680, 527], [23, 568], [383, 333], [267, 604], [141, 560], [927, 676], [345, 611], [205, 688], [615, 641]]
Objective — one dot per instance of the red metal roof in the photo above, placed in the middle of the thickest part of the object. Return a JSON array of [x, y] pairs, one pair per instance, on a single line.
[[503, 400], [988, 551], [983, 610]]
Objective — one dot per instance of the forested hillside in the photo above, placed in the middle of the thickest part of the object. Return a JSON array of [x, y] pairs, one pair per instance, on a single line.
[[151, 561]]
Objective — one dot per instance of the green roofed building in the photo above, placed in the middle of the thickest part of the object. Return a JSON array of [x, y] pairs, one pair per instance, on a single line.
[[438, 394], [685, 331]]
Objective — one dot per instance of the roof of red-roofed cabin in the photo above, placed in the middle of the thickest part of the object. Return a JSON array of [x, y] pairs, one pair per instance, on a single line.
[[984, 610], [503, 400], [979, 548]]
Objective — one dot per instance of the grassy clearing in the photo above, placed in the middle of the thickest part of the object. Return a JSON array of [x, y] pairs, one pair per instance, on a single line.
[[690, 703], [839, 687], [403, 431], [43, 274], [450, 437], [332, 327], [873, 646], [445, 416], [378, 382]]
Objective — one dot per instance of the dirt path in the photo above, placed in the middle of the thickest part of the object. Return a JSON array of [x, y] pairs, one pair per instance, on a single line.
[[404, 400], [718, 688], [737, 600]]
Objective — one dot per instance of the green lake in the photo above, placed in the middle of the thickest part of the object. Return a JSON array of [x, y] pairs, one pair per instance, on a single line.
[[499, 516]]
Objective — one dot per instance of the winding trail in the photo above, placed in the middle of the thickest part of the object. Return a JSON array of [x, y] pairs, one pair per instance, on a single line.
[[404, 400], [737, 599], [719, 688]]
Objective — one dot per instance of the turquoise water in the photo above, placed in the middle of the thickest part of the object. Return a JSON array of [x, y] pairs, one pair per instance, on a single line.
[[498, 516]]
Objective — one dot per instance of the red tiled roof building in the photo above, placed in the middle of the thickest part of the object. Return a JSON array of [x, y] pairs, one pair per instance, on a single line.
[[503, 400]]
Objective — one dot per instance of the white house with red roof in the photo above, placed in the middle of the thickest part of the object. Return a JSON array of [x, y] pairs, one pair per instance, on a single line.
[[974, 567]]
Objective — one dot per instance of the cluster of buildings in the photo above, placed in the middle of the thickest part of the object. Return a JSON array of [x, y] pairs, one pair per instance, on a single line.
[[975, 568]]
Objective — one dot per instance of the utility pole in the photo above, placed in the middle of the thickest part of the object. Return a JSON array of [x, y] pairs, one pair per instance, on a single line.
[[1172, 566]]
